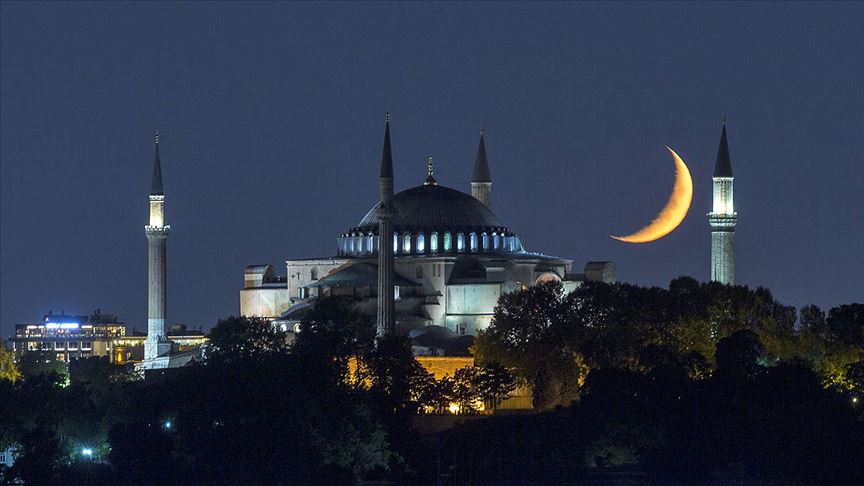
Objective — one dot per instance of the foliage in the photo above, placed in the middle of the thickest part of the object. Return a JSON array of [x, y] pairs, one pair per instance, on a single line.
[[8, 369], [238, 339], [36, 363]]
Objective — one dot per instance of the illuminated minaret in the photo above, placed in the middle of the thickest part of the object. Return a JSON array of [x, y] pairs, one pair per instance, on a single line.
[[157, 343], [386, 318], [723, 217], [481, 180]]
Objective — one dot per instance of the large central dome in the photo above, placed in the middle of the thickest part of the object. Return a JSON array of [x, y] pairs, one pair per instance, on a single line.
[[433, 219], [435, 207]]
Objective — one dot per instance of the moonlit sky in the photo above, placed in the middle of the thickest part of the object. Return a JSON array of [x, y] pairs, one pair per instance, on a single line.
[[271, 123]]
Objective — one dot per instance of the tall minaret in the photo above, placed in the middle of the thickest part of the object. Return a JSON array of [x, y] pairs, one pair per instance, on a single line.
[[723, 217], [481, 180], [386, 319], [157, 343]]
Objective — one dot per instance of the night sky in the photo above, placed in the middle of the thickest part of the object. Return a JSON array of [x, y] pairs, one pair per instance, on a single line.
[[271, 121]]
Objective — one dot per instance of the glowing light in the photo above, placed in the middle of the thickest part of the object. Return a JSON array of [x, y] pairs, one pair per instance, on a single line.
[[676, 208], [87, 452], [454, 408], [168, 425], [854, 399]]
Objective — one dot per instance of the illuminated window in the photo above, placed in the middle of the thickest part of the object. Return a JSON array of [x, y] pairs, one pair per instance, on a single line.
[[58, 346], [460, 242], [406, 243], [395, 242], [87, 345], [448, 243], [421, 243], [370, 243], [473, 238], [496, 241], [360, 244], [485, 240], [433, 242], [72, 346], [396, 292]]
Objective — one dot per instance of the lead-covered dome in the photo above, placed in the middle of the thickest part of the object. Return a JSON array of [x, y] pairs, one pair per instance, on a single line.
[[434, 207], [433, 219]]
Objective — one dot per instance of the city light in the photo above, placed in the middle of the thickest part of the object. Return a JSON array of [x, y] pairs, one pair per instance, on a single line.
[[168, 425], [87, 452], [453, 408]]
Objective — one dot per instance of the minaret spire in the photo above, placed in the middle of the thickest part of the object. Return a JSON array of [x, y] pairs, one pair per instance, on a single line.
[[386, 315], [723, 217], [481, 180], [156, 186]]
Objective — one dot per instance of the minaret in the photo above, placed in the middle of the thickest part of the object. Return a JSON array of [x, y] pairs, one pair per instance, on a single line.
[[386, 319], [481, 181], [723, 217], [157, 235]]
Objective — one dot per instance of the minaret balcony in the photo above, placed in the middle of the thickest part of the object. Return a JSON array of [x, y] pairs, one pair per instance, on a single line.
[[722, 220]]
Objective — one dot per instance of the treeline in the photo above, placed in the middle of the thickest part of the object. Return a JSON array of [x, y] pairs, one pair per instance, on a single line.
[[694, 384], [554, 339]]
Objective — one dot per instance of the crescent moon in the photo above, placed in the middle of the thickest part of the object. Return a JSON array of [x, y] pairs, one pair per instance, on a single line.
[[676, 208]]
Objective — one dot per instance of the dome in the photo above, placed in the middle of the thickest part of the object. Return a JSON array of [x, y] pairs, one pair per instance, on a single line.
[[432, 219], [434, 207]]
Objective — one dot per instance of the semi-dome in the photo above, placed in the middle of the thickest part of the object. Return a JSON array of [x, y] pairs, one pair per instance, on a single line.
[[433, 219]]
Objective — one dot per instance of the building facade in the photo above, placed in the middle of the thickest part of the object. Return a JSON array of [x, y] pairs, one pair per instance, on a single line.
[[452, 258]]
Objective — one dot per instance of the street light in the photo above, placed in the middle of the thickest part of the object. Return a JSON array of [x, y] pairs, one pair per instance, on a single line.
[[87, 452]]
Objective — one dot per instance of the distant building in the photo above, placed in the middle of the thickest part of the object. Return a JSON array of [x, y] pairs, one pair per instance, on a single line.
[[70, 337], [73, 337], [452, 258]]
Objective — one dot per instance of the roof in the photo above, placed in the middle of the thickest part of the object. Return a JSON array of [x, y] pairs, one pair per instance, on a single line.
[[481, 165], [434, 207], [723, 166], [387, 155], [156, 186], [358, 275]]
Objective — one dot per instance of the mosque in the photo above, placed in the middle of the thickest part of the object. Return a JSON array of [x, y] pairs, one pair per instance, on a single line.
[[449, 260]]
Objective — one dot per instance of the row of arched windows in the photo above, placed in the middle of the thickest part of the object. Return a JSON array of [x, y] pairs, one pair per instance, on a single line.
[[433, 243]]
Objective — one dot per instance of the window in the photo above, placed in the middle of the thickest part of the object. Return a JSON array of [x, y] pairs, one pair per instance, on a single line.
[[2, 457], [395, 242], [419, 272], [433, 242], [406, 243], [484, 238], [448, 243], [73, 346], [58, 346], [460, 242], [313, 274], [496, 241], [421, 243], [360, 242], [87, 345], [396, 292], [473, 238], [370, 243]]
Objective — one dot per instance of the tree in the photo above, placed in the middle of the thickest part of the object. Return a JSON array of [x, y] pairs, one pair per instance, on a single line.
[[394, 374], [740, 353], [493, 383], [236, 339], [34, 363], [846, 324], [8, 370]]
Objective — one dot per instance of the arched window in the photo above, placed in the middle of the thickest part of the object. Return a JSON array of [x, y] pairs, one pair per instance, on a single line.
[[496, 242], [350, 245], [313, 274], [395, 242], [433, 243], [460, 242], [473, 238], [419, 272], [406, 243], [485, 239], [360, 244], [448, 243], [421, 243], [370, 243]]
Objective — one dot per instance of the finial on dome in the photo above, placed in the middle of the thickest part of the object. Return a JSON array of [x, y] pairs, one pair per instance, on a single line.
[[157, 136], [387, 117], [430, 179], [724, 119]]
